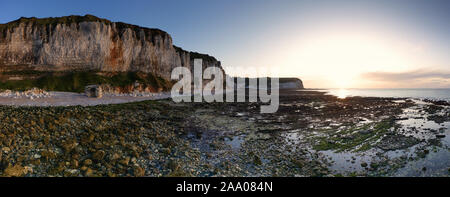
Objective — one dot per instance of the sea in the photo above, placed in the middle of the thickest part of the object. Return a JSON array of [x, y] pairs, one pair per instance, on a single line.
[[418, 93], [413, 122]]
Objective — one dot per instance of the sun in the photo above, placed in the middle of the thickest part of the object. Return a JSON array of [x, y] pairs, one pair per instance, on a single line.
[[342, 58]]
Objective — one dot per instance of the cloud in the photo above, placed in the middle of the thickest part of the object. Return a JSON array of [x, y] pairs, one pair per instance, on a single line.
[[406, 76], [412, 79]]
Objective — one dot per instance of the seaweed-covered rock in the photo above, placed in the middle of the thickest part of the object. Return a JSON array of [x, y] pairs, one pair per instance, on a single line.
[[396, 142]]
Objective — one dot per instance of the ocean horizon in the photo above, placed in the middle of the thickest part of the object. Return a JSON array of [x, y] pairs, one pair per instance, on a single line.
[[415, 93]]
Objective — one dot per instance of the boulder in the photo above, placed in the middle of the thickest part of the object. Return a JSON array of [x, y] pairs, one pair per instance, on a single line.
[[93, 91]]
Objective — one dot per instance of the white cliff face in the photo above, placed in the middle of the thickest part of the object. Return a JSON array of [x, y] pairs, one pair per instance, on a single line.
[[290, 83], [91, 45]]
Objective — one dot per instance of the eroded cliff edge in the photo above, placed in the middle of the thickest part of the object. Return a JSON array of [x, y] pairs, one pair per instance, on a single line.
[[84, 43]]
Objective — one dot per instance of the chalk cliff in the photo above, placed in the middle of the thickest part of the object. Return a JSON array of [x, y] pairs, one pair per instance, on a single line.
[[284, 83], [74, 43], [291, 83]]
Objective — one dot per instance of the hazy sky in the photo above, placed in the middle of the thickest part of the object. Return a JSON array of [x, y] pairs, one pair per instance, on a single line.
[[375, 44]]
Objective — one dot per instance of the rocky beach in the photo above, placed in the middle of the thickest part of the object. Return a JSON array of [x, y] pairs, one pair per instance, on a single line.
[[43, 98], [312, 134], [83, 96]]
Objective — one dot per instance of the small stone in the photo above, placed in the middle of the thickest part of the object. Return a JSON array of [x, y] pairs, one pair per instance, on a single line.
[[74, 163], [298, 163], [73, 172], [94, 91], [173, 165], [6, 149], [87, 162], [84, 168], [364, 132], [48, 154], [364, 164], [125, 161], [69, 146], [28, 169], [374, 166], [138, 171], [99, 155], [111, 174], [76, 156], [89, 172], [15, 171], [115, 156], [166, 150], [257, 160]]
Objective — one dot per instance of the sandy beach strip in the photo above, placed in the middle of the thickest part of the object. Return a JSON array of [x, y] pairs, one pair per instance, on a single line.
[[74, 99]]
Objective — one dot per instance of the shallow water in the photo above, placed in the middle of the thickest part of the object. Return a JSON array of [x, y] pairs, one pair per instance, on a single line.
[[345, 162], [413, 122], [235, 142], [437, 162]]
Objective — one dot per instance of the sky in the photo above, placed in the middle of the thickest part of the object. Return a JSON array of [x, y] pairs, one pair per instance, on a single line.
[[326, 43]]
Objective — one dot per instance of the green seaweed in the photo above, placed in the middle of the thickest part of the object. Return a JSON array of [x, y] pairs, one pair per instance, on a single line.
[[76, 81], [351, 139]]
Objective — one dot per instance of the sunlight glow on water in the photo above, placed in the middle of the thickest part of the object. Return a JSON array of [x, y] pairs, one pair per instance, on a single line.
[[439, 94], [342, 93]]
